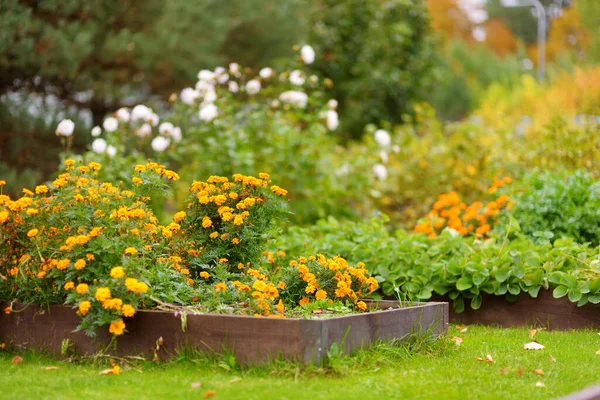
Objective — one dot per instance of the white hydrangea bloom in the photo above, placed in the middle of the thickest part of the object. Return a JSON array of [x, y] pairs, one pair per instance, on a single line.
[[266, 73], [210, 96], [202, 86], [396, 148], [234, 68], [308, 54], [380, 171], [110, 124], [96, 131], [206, 75], [383, 155], [166, 128], [234, 87], [253, 87], [99, 146], [223, 78], [220, 71], [122, 114], [382, 137], [189, 96], [176, 134], [332, 120], [208, 112], [140, 113], [153, 119], [111, 151], [332, 104], [294, 97], [65, 128], [297, 77], [144, 131], [160, 143]]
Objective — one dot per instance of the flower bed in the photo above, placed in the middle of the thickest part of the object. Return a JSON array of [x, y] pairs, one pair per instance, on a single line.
[[159, 334]]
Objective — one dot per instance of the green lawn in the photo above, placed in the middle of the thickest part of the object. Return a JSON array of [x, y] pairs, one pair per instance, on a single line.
[[420, 370]]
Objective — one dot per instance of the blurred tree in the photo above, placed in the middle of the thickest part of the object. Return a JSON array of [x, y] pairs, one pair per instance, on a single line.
[[379, 53], [450, 20], [499, 38], [589, 11]]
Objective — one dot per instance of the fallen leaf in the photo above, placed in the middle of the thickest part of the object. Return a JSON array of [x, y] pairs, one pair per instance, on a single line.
[[108, 371], [532, 333], [196, 385], [533, 346], [552, 358], [597, 353], [209, 394], [487, 359], [540, 384], [538, 371], [457, 340], [462, 329], [17, 360], [50, 368], [520, 372], [504, 371], [235, 379]]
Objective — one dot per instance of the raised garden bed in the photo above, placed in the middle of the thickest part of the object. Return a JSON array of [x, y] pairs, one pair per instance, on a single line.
[[251, 339], [544, 311]]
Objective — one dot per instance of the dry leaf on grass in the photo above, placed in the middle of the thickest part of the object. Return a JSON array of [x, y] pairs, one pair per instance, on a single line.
[[235, 379], [532, 333], [552, 358], [17, 360], [487, 359], [533, 346], [51, 368], [196, 385], [537, 371], [597, 353], [504, 371], [457, 340], [462, 329], [540, 384], [520, 372], [209, 394]]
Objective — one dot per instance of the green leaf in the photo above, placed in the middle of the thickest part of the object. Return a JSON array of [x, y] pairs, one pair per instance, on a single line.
[[459, 305], [534, 291], [478, 279], [574, 295], [502, 274], [514, 289], [594, 299], [476, 302], [424, 294], [464, 283], [560, 291]]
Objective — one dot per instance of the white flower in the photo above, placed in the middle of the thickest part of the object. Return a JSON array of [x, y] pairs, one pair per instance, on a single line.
[[384, 156], [533, 346], [314, 79], [332, 120], [253, 87], [96, 131], [297, 77], [165, 128], [111, 151], [396, 148], [122, 114], [275, 103], [153, 119], [222, 78], [99, 146], [65, 128], [208, 112], [110, 124], [308, 54], [140, 112], [382, 137], [220, 71], [266, 73], [332, 104], [144, 131], [189, 96], [160, 143], [234, 68], [206, 75], [210, 96], [380, 171], [176, 134], [202, 86], [233, 87], [294, 97]]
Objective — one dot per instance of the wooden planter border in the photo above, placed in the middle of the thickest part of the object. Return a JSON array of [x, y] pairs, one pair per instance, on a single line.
[[250, 339]]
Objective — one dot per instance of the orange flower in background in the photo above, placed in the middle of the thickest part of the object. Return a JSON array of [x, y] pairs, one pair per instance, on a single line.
[[221, 287], [117, 327], [84, 307]]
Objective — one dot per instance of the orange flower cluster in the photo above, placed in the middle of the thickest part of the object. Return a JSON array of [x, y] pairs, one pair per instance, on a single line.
[[450, 212]]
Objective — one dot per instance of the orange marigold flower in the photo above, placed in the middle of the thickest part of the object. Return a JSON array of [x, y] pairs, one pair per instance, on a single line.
[[321, 294], [90, 257], [7, 310], [3, 216], [131, 251], [117, 327], [179, 216], [69, 285], [117, 272], [41, 189], [82, 288], [63, 264], [235, 241], [84, 307], [80, 264], [102, 294], [221, 287], [279, 191], [204, 274], [32, 232], [112, 304], [206, 222], [361, 305], [213, 235], [280, 307], [128, 310], [304, 301]]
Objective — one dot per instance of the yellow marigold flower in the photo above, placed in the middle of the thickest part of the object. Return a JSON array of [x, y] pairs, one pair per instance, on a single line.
[[116, 370], [304, 301], [117, 327], [135, 231], [280, 253], [27, 192], [310, 289], [32, 232], [139, 168], [235, 240], [131, 251], [220, 199], [179, 216], [82, 288], [224, 236], [63, 264], [223, 260], [280, 307], [259, 285], [264, 175], [221, 287], [41, 274], [279, 191], [41, 189], [171, 175], [102, 294], [204, 274], [95, 166], [117, 272], [361, 305], [136, 180], [95, 232], [233, 195], [128, 310], [69, 162], [32, 211], [238, 220], [69, 285], [206, 222], [2, 182], [214, 235], [80, 264], [112, 304], [281, 285], [3, 216], [90, 257], [84, 307], [321, 294]]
